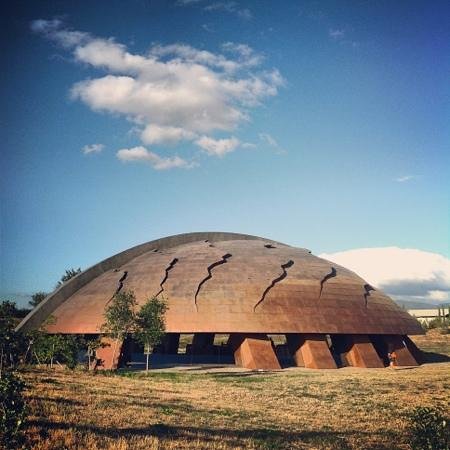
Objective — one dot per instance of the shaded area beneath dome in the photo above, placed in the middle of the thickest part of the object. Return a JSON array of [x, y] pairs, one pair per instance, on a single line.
[[263, 352]]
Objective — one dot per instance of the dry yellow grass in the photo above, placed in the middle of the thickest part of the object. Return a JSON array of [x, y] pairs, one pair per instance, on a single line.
[[434, 341], [292, 409]]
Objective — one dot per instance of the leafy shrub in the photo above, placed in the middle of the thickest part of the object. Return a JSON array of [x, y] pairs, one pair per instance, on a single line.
[[12, 411], [49, 348], [429, 429], [439, 322], [11, 342]]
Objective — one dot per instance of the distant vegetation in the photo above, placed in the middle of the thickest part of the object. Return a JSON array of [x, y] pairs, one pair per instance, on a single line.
[[37, 298], [70, 273], [441, 323]]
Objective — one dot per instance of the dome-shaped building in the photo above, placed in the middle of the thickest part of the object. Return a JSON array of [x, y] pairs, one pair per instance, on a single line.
[[247, 287]]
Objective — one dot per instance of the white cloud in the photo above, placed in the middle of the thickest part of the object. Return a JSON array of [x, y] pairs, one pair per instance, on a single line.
[[403, 273], [172, 93], [141, 154], [218, 147], [189, 54], [156, 134], [53, 30], [93, 148], [404, 178], [247, 56]]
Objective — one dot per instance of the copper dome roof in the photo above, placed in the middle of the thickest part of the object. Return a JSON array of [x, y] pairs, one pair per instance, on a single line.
[[228, 283]]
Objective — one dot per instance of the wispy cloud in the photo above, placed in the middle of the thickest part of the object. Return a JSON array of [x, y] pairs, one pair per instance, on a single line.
[[336, 34], [339, 34], [92, 148], [269, 140], [55, 31], [187, 2], [172, 93], [208, 27], [141, 154], [404, 178], [228, 6], [342, 36]]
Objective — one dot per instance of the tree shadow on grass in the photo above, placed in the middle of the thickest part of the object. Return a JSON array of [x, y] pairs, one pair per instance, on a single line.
[[58, 400], [432, 357], [206, 367], [49, 381], [264, 437]]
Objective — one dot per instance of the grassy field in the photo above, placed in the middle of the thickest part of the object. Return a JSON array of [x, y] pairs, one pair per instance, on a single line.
[[227, 409]]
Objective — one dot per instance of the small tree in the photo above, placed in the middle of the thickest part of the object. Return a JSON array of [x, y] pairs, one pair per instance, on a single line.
[[37, 298], [51, 348], [48, 348], [70, 273], [151, 326], [92, 345], [70, 346], [120, 317]]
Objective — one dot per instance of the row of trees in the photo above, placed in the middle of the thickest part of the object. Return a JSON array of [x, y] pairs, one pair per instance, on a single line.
[[35, 346], [122, 319]]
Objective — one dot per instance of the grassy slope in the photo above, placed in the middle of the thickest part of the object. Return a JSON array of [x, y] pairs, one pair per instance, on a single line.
[[299, 408]]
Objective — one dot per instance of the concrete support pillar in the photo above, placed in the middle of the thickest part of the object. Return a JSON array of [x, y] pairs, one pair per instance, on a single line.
[[254, 351], [170, 343], [396, 343], [108, 355], [202, 343], [311, 351], [361, 352]]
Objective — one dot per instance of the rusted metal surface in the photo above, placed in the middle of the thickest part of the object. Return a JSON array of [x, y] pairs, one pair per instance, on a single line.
[[239, 286]]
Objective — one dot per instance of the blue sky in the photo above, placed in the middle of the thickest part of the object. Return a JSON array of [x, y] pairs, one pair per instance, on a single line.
[[320, 124]]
